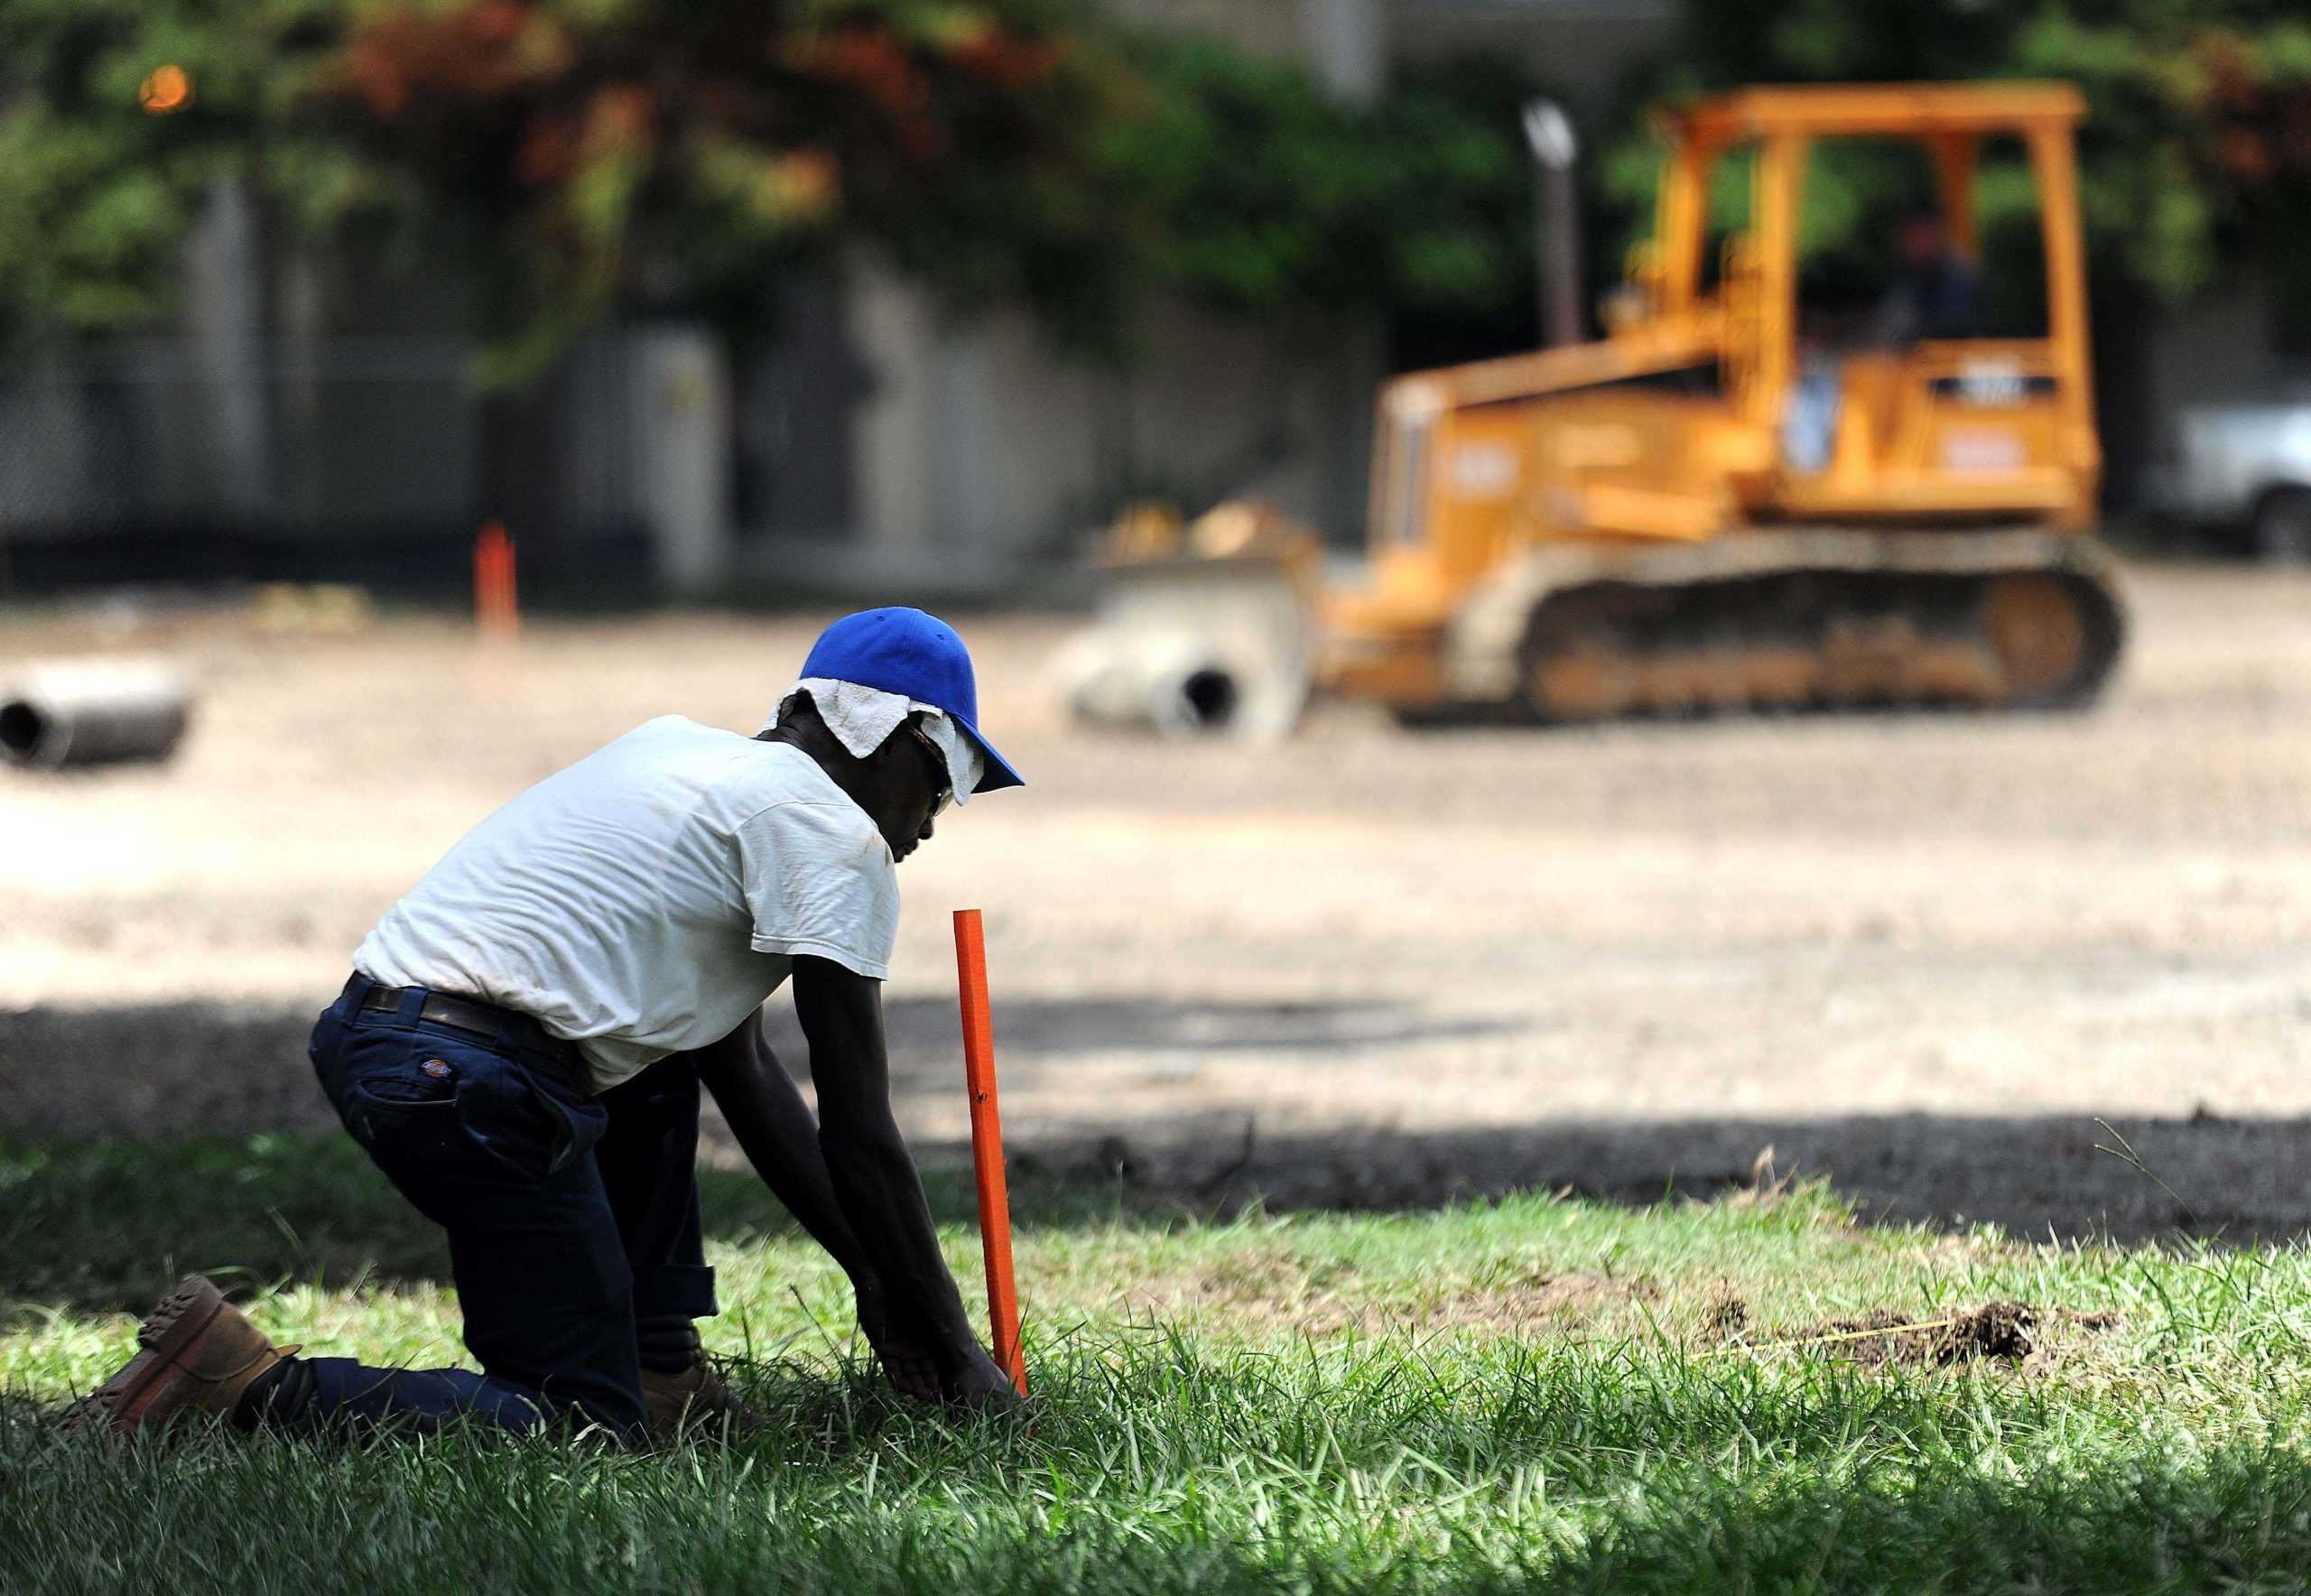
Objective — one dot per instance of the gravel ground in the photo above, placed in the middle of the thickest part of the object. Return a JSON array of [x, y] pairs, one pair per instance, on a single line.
[[1922, 954]]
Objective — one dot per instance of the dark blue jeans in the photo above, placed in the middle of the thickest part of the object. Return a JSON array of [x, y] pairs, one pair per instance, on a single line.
[[569, 1217]]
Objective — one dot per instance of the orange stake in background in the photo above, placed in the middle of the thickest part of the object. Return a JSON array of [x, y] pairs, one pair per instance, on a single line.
[[987, 1147], [494, 608]]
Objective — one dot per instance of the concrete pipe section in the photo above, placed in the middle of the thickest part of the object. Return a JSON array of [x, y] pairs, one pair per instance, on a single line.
[[1194, 648], [92, 713]]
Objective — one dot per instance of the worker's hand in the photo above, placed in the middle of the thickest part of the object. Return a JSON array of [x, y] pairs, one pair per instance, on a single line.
[[912, 1370], [916, 1376], [981, 1382], [956, 1371], [908, 1364]]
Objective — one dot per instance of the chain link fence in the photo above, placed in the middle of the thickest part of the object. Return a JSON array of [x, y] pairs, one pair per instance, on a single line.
[[360, 458]]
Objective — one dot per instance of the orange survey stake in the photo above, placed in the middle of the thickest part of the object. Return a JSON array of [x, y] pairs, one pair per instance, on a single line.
[[496, 608], [987, 1146]]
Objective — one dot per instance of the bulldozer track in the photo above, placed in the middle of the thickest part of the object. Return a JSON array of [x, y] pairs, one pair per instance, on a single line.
[[1794, 619]]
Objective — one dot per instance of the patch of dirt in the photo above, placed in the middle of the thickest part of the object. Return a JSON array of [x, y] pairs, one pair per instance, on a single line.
[[2010, 1333], [1724, 1314], [1994, 1330], [1276, 1294]]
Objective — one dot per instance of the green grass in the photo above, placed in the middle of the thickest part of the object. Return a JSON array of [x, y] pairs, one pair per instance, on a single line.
[[1531, 1395]]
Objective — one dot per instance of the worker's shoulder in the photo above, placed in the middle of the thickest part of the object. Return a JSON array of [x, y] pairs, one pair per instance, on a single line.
[[764, 778], [674, 740], [790, 808], [657, 742], [728, 782], [676, 728], [728, 772]]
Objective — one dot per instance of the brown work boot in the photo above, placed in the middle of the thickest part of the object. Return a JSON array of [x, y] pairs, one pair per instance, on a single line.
[[199, 1355], [696, 1398]]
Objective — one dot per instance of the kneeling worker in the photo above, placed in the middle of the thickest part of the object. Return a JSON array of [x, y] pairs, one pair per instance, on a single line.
[[521, 1046]]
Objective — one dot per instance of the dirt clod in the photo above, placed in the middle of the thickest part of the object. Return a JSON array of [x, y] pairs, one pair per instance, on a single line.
[[2001, 1330], [1724, 1315], [1994, 1330]]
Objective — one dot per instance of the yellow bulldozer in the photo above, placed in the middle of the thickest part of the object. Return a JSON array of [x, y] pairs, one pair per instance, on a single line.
[[1719, 505]]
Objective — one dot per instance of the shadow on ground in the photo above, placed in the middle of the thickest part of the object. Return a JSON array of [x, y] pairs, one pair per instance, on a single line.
[[111, 1223], [147, 1141], [2069, 1178], [231, 1068]]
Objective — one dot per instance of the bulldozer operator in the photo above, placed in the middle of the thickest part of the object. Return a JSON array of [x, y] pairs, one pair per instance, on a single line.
[[521, 1045], [1936, 294]]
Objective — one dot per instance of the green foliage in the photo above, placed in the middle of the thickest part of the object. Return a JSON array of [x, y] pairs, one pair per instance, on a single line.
[[95, 193], [576, 156], [581, 158], [677, 156], [584, 157], [2198, 141], [1263, 193]]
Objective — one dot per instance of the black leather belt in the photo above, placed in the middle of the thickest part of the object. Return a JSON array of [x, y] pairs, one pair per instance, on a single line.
[[502, 1027], [481, 1018]]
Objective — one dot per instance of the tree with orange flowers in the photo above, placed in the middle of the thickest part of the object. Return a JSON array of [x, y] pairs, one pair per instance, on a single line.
[[579, 155], [677, 155]]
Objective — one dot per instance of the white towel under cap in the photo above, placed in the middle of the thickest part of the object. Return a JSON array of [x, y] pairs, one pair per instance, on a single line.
[[862, 719]]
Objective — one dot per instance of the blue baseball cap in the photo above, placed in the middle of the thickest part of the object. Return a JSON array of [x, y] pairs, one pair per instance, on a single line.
[[918, 656]]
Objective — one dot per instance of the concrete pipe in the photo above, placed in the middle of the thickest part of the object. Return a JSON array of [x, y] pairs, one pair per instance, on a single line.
[[1209, 699], [92, 713], [1204, 701], [1194, 648]]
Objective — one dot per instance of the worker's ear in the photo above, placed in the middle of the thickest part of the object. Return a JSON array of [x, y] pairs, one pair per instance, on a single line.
[[902, 749], [895, 768], [892, 753]]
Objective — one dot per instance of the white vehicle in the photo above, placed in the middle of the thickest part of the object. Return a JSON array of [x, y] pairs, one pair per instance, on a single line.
[[2246, 463]]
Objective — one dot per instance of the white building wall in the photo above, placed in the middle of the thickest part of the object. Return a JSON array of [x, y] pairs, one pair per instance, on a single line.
[[1016, 452], [897, 337], [681, 419], [981, 447], [225, 324]]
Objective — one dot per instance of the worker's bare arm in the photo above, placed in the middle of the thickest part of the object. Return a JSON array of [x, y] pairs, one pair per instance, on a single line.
[[873, 1178], [780, 1137]]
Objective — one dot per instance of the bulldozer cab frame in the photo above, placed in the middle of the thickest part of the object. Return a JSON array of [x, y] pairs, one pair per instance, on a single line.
[[1949, 430], [1756, 301]]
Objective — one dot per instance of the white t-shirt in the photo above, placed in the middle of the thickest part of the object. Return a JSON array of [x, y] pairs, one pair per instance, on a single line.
[[648, 898]]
